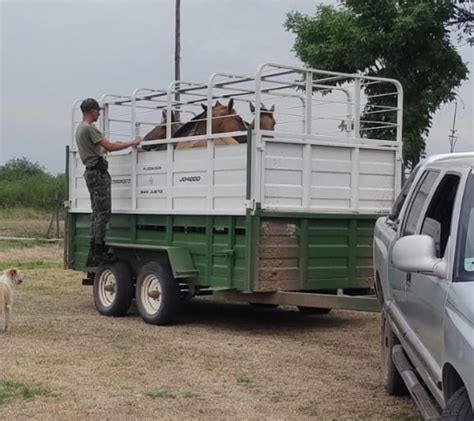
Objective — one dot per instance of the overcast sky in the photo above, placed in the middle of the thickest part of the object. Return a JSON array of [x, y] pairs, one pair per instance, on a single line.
[[53, 52]]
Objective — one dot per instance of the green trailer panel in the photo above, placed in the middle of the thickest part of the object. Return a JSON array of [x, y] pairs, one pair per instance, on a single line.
[[252, 253]]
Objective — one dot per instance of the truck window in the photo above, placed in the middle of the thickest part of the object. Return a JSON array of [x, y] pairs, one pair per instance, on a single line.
[[464, 267], [397, 206], [437, 220], [423, 190]]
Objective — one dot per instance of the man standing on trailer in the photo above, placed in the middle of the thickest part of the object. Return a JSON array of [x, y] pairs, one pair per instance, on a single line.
[[93, 146]]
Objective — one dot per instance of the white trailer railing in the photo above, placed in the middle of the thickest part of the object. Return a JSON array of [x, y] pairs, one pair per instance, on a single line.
[[336, 146]]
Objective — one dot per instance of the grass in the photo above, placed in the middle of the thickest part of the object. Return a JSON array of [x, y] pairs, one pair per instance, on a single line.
[[244, 380], [190, 395], [32, 264], [26, 222], [161, 394], [23, 213], [219, 361], [17, 244], [13, 390]]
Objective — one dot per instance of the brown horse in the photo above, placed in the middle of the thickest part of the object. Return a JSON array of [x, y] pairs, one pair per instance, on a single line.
[[159, 132], [224, 120], [267, 121]]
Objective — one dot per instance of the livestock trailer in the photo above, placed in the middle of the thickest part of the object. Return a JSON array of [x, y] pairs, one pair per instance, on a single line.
[[286, 217]]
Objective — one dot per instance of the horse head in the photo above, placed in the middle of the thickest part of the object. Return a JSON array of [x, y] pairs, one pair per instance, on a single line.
[[159, 132], [225, 119], [267, 120]]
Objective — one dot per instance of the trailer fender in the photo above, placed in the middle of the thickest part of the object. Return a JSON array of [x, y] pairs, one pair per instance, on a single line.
[[180, 260]]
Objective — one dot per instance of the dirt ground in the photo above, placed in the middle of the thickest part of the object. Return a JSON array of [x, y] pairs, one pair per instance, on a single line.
[[64, 361]]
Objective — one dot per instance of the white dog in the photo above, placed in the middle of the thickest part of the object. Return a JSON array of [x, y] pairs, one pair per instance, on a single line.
[[9, 278]]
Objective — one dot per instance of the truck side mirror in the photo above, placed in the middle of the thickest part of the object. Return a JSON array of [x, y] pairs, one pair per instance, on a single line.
[[416, 253]]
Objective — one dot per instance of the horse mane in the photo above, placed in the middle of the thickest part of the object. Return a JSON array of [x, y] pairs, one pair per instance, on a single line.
[[188, 127]]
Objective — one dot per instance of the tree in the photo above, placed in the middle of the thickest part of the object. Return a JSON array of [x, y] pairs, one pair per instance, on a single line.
[[20, 168], [408, 40], [27, 184]]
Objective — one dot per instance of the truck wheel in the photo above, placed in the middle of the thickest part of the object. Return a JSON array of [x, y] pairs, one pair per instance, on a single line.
[[113, 289], [458, 407], [157, 294], [313, 310], [392, 380]]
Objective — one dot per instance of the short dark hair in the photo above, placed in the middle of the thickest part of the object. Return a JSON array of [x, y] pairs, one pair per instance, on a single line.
[[89, 104]]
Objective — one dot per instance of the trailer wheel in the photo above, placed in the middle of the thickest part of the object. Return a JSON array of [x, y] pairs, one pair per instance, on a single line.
[[458, 407], [392, 380], [113, 289], [157, 294], [313, 310]]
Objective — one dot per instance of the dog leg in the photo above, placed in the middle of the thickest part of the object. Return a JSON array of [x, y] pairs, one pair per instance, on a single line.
[[8, 314], [2, 312], [2, 320]]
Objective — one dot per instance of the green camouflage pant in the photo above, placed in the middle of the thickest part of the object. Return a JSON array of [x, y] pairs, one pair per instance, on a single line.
[[99, 185]]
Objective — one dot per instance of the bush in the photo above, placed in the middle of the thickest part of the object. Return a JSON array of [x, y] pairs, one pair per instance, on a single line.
[[27, 184]]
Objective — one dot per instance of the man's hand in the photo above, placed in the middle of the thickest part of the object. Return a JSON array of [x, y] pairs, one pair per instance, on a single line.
[[137, 141]]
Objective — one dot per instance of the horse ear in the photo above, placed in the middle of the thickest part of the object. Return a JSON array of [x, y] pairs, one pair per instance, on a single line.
[[231, 104], [218, 103], [252, 107], [164, 115], [262, 107], [204, 107], [272, 109], [11, 273]]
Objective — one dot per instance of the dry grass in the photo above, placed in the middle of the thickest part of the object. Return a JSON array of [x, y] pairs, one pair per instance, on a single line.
[[220, 361], [27, 223]]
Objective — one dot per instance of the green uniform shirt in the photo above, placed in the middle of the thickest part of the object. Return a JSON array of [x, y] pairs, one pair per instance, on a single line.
[[88, 139]]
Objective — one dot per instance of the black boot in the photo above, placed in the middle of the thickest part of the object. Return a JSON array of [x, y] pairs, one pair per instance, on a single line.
[[102, 255]]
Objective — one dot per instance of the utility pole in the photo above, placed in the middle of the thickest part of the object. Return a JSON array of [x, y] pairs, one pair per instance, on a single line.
[[452, 137], [177, 51]]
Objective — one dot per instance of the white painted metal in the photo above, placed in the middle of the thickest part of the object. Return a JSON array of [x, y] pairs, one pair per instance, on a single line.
[[107, 288], [150, 294], [314, 162]]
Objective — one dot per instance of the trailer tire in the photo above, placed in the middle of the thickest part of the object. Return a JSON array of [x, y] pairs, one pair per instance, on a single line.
[[458, 407], [392, 381], [157, 294], [313, 310], [113, 289]]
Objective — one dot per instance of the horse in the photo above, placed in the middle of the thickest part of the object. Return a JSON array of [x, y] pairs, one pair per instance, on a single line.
[[267, 121], [159, 132], [224, 120]]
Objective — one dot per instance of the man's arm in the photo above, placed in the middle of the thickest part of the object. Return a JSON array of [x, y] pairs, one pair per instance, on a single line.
[[118, 146]]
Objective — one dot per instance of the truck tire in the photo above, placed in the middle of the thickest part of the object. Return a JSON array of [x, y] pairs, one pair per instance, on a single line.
[[392, 380], [157, 294], [458, 407], [113, 289], [313, 310]]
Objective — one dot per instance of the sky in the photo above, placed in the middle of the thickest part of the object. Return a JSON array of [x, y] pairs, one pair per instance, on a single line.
[[53, 52]]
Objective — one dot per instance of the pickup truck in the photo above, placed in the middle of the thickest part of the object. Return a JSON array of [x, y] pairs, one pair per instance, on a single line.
[[424, 279]]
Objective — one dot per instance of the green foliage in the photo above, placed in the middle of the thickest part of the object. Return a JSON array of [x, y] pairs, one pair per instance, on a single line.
[[27, 184], [161, 394], [408, 40], [14, 390]]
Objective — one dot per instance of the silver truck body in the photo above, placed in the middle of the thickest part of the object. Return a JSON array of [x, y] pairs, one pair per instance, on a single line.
[[424, 272]]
